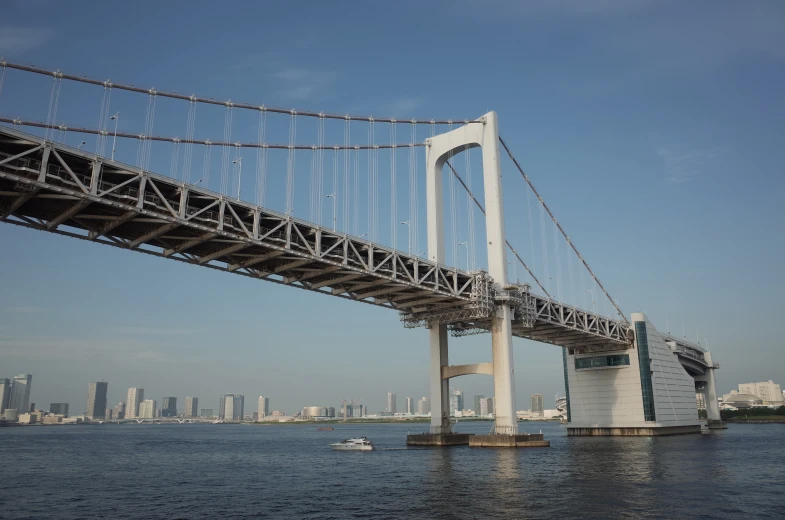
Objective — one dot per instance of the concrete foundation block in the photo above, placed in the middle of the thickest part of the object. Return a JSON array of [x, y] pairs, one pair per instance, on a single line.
[[438, 439], [534, 440]]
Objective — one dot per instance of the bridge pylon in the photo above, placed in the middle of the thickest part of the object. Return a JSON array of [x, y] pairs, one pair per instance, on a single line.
[[438, 150]]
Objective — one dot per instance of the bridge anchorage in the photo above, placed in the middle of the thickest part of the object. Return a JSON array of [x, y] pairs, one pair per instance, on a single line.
[[622, 377]]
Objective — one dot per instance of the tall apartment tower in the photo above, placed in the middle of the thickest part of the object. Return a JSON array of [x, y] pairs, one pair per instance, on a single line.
[[409, 406], [5, 393], [191, 406], [537, 404], [96, 400], [477, 403], [147, 409], [391, 402], [424, 406], [19, 399], [169, 407], [232, 407], [135, 398], [263, 409], [119, 410]]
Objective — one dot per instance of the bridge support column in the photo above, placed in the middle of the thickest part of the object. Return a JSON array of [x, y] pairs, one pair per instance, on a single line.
[[440, 388], [713, 416], [503, 368]]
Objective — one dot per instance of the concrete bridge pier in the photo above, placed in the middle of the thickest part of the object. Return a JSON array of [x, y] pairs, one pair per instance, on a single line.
[[713, 416]]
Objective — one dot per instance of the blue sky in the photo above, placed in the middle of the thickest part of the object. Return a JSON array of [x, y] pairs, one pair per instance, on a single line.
[[653, 129]]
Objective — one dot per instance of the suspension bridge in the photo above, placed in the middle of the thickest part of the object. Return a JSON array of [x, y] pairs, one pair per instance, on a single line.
[[162, 195]]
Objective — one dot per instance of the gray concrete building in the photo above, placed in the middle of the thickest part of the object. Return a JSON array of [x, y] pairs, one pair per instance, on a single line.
[[19, 399], [135, 398], [58, 409], [96, 400], [191, 407], [5, 393], [169, 407]]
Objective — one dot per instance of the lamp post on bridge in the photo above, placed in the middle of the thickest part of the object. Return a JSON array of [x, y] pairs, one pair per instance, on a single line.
[[335, 202], [116, 118], [593, 306], [81, 145], [239, 162], [558, 288], [408, 234]]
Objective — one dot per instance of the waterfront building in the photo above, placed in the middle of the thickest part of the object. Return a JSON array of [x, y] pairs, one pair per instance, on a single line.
[[169, 407], [424, 406], [20, 393], [391, 398], [135, 397], [5, 393], [277, 413], [477, 403], [206, 412], [409, 406], [263, 407], [119, 410], [486, 407], [231, 407], [10, 415], [58, 409], [700, 399], [769, 391], [538, 406], [191, 407], [456, 401], [96, 400], [147, 409], [108, 414], [27, 418]]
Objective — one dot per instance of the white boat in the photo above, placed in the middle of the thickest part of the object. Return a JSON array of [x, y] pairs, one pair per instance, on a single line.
[[355, 444]]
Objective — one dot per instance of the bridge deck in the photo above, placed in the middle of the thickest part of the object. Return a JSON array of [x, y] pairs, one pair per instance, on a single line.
[[51, 187]]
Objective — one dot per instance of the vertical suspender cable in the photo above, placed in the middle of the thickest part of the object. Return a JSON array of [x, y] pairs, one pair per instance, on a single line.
[[206, 165], [393, 189], [346, 139], [291, 164], [188, 149], [261, 157]]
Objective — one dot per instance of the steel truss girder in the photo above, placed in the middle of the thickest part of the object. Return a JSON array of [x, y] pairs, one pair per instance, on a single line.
[[138, 210], [126, 207]]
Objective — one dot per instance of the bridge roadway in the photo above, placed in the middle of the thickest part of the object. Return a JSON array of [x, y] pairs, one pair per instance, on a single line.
[[51, 187]]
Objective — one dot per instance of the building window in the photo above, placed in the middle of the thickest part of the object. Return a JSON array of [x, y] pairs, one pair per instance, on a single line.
[[645, 366], [615, 360]]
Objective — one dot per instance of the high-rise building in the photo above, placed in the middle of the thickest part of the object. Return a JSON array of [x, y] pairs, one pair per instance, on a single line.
[[5, 393], [537, 404], [700, 400], [391, 402], [263, 408], [484, 410], [108, 414], [191, 406], [58, 409], [206, 412], [119, 410], [169, 407], [456, 401], [491, 406], [96, 400], [19, 399], [424, 406], [135, 398], [409, 406], [147, 409], [769, 391], [477, 403], [232, 407]]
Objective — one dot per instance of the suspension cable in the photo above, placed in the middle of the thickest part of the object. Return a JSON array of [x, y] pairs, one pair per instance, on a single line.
[[566, 237], [210, 101], [512, 249]]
